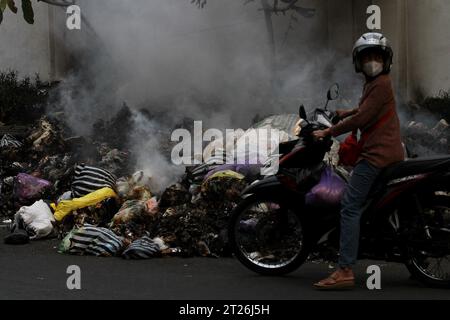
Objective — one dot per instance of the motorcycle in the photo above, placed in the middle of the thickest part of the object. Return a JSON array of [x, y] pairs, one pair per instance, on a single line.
[[274, 230]]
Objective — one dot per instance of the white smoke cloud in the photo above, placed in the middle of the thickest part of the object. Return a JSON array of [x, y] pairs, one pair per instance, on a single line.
[[167, 56]]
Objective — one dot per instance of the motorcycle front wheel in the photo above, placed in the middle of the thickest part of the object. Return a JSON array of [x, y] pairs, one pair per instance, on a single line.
[[267, 236]]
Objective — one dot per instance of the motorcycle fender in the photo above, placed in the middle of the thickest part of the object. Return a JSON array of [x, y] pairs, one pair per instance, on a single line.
[[266, 184], [438, 179], [269, 186], [401, 193]]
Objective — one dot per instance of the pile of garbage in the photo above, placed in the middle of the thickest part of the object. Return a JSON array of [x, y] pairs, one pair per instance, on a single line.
[[39, 182], [426, 131], [125, 218], [43, 151], [85, 191], [423, 140], [49, 193]]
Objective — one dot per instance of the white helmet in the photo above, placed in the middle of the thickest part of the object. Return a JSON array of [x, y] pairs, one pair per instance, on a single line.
[[376, 41]]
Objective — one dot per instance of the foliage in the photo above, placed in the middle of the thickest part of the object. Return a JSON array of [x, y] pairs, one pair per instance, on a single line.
[[27, 7], [21, 99]]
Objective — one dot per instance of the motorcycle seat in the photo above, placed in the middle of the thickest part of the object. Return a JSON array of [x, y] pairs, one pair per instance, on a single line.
[[414, 166]]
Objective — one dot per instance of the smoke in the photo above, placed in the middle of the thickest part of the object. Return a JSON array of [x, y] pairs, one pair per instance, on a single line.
[[169, 55], [170, 58], [149, 156]]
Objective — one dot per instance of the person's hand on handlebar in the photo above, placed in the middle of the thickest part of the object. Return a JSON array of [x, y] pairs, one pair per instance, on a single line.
[[321, 134], [297, 128]]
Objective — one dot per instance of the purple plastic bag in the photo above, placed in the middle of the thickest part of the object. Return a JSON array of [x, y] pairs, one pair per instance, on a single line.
[[29, 187], [328, 192]]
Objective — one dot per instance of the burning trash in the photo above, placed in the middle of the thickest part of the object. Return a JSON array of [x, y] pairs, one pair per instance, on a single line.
[[57, 184]]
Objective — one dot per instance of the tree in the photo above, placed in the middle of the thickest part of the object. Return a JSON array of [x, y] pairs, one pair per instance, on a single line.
[[27, 7]]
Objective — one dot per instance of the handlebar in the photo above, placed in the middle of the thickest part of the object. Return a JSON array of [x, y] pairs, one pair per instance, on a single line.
[[336, 119], [322, 119]]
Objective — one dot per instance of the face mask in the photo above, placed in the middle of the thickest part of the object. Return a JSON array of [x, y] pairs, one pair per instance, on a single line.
[[373, 68]]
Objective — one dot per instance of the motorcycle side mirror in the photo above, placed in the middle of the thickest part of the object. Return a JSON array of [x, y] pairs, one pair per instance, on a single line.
[[332, 94], [302, 113]]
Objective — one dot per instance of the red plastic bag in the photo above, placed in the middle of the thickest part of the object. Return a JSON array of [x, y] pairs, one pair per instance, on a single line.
[[350, 150], [328, 192]]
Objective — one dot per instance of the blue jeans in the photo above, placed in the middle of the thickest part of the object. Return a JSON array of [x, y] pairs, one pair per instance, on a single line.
[[355, 196]]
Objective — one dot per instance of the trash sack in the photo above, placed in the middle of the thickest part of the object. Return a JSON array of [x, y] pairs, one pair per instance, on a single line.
[[144, 248], [136, 187], [123, 187], [328, 192], [88, 179], [65, 207], [222, 185], [27, 187], [37, 220], [90, 240], [250, 171], [196, 174], [136, 211], [140, 179], [65, 196], [9, 141], [140, 193]]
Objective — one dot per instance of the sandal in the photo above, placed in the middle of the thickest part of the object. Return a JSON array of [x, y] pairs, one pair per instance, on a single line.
[[334, 283]]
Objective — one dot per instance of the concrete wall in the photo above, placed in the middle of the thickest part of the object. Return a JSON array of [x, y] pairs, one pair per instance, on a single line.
[[428, 40], [419, 34], [26, 47], [32, 49], [418, 30]]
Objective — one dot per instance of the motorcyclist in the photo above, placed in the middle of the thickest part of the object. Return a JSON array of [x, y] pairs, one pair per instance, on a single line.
[[372, 55]]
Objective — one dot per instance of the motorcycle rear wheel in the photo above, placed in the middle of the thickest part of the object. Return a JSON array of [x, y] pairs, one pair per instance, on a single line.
[[432, 267]]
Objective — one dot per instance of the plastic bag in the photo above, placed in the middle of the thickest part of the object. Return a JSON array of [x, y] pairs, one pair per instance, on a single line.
[[65, 207], [137, 187], [90, 240], [137, 211], [328, 192], [37, 218], [29, 187]]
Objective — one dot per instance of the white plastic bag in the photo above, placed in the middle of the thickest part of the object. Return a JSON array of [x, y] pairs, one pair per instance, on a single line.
[[37, 219]]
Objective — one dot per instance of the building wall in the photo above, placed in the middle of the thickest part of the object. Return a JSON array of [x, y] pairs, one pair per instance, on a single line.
[[33, 49], [418, 30], [25, 47], [428, 41]]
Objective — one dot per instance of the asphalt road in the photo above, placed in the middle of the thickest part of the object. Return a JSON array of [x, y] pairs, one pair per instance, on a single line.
[[37, 271]]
